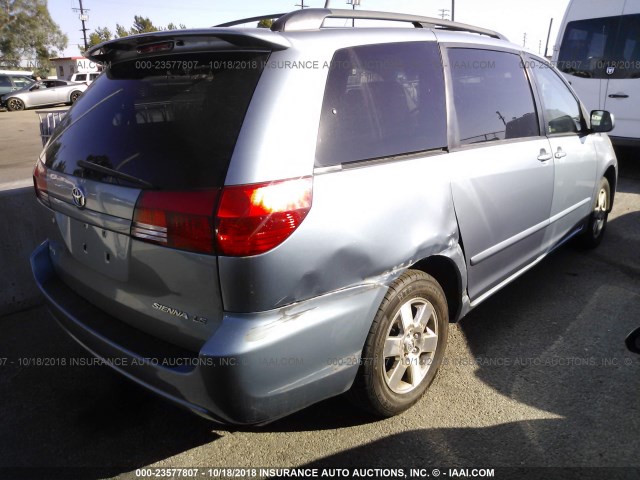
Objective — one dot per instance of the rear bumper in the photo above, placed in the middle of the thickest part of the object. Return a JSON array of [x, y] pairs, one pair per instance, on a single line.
[[254, 369]]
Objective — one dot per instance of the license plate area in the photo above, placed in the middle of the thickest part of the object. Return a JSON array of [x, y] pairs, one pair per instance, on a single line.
[[99, 249]]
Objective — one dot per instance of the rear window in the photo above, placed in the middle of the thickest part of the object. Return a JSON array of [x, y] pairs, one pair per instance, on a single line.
[[170, 122], [380, 101]]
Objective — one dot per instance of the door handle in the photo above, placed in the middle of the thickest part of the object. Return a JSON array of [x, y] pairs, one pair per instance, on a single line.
[[618, 95], [544, 156], [560, 153]]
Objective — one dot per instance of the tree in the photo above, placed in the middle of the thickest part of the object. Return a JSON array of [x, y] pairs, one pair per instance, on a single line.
[[265, 23], [172, 26], [121, 31], [27, 32], [142, 25], [100, 35]]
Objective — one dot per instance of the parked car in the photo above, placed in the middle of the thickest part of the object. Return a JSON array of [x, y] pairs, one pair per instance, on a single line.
[[251, 221], [11, 81], [41, 93], [599, 52], [84, 77]]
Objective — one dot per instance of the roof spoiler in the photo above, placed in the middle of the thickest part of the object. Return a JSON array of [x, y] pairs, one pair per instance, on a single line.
[[254, 38]]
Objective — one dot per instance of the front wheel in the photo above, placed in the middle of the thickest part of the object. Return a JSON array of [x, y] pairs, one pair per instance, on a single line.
[[597, 224], [405, 346], [74, 96], [15, 105]]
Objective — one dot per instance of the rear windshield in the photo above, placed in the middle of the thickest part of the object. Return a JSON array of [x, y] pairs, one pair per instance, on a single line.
[[166, 122]]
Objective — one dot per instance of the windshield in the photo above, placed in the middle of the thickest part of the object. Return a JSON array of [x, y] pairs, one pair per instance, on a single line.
[[171, 121]]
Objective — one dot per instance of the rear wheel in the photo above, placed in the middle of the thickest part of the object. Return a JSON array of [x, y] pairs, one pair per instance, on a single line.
[[597, 224], [74, 96], [15, 104], [405, 346]]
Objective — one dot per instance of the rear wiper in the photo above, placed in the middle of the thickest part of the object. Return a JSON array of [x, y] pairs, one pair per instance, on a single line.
[[114, 173]]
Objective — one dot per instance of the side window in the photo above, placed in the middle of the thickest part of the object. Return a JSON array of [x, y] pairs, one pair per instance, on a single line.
[[22, 82], [562, 112], [626, 59], [586, 46], [81, 77], [492, 96], [380, 101], [4, 81]]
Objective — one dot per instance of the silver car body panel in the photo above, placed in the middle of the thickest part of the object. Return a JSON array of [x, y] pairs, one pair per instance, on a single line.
[[46, 96]]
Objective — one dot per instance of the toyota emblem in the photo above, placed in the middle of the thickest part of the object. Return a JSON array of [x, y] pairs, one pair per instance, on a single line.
[[79, 198]]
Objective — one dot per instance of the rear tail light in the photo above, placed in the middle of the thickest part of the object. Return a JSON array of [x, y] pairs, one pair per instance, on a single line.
[[251, 219], [40, 183], [182, 220]]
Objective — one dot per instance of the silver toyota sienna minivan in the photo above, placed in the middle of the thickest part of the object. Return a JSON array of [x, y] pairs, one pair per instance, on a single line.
[[250, 221]]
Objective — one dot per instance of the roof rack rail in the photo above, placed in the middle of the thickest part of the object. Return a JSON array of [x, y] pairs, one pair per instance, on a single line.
[[313, 18], [251, 19]]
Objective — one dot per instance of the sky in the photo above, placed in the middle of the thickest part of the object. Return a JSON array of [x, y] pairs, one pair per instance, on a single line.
[[512, 18]]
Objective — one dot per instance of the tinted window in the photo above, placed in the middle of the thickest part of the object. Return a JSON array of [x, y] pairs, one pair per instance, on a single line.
[[21, 82], [382, 100], [4, 81], [492, 96], [602, 48], [586, 46], [562, 112], [626, 59], [174, 126], [81, 77]]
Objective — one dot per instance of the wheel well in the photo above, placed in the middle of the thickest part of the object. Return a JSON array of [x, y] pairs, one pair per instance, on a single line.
[[610, 175], [447, 275]]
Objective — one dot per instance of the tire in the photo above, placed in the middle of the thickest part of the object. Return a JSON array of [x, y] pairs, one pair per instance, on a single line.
[[402, 354], [74, 96], [15, 105], [597, 224]]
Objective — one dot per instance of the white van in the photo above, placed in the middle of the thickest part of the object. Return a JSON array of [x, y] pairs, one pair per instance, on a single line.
[[599, 53], [85, 77]]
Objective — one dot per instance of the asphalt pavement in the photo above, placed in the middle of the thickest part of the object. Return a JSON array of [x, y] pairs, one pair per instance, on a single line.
[[536, 376], [19, 145]]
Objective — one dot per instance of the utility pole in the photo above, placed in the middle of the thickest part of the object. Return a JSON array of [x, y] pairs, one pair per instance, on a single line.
[[443, 13], [302, 5], [546, 47], [453, 10], [524, 40], [83, 18], [354, 4]]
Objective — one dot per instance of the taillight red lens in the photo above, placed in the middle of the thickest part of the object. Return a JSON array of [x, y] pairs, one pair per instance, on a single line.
[[177, 219], [40, 183], [253, 219]]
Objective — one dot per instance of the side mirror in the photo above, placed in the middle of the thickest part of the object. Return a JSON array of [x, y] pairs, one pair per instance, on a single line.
[[602, 121], [633, 341]]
